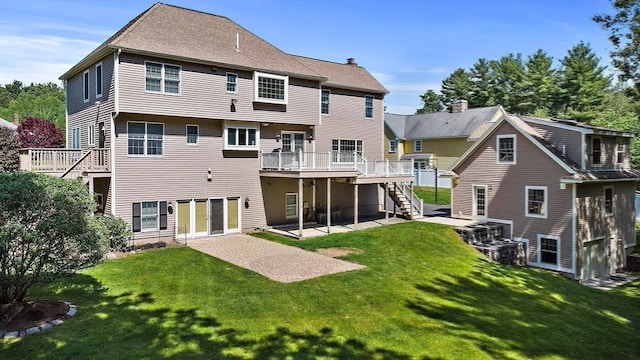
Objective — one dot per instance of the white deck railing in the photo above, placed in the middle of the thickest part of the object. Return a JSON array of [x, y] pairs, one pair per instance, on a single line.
[[334, 161], [65, 160]]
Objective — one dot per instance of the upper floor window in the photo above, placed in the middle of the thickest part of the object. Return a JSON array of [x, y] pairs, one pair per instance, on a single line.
[[324, 102], [417, 146], [232, 83], [608, 200], [368, 106], [536, 201], [240, 136], [85, 85], [99, 80], [271, 88], [162, 78], [192, 134], [506, 149], [619, 151], [596, 151], [392, 146], [145, 138]]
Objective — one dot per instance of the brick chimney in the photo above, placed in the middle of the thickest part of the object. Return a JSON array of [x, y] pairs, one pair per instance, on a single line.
[[459, 106], [351, 61], [15, 119]]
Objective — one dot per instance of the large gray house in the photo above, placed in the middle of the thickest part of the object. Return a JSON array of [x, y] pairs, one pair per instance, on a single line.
[[564, 189], [185, 124]]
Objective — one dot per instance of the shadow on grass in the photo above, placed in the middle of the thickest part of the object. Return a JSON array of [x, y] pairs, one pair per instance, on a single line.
[[127, 326], [505, 310]]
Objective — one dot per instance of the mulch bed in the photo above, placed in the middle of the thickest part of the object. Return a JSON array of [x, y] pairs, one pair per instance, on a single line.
[[37, 313]]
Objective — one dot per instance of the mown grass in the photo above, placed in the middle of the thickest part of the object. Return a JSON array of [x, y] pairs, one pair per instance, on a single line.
[[428, 194], [423, 295]]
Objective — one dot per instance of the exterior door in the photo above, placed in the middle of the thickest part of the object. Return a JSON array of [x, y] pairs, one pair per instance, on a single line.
[[294, 142], [216, 216], [480, 201], [594, 260], [233, 215], [101, 135], [191, 218]]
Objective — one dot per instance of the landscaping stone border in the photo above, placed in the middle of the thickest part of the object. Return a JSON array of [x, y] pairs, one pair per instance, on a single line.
[[36, 329]]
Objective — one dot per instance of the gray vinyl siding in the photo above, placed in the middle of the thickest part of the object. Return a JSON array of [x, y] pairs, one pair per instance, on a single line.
[[347, 121], [203, 94], [80, 113], [618, 229], [571, 139], [506, 196], [181, 173], [608, 152]]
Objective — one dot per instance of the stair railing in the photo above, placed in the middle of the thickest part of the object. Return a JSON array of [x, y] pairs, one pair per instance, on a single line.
[[416, 202]]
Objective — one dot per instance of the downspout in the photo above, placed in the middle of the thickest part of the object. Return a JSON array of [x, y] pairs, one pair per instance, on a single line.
[[66, 113], [112, 128], [574, 228]]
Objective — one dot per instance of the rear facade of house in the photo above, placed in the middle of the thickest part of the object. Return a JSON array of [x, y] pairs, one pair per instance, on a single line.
[[211, 130], [565, 190]]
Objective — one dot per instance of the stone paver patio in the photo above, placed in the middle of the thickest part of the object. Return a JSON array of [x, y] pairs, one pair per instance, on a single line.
[[278, 262]]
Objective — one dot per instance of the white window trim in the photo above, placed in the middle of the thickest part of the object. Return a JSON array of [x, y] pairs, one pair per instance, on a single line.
[[86, 95], [539, 262], [620, 148], [416, 146], [293, 133], [604, 201], [515, 153], [157, 228], [339, 159], [257, 75], [162, 79], [186, 137], [99, 88], [227, 83], [366, 107], [545, 206], [328, 102], [393, 149], [146, 138], [285, 206], [91, 135], [241, 125], [474, 209]]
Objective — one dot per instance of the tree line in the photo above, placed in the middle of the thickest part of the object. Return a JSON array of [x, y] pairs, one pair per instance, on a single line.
[[42, 101]]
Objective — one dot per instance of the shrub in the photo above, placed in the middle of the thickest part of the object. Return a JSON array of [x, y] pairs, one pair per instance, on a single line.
[[9, 150], [117, 232]]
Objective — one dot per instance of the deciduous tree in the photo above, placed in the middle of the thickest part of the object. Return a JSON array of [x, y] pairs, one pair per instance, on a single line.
[[39, 133]]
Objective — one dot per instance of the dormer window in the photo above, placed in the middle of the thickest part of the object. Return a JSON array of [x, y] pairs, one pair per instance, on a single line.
[[596, 151], [619, 151], [271, 88]]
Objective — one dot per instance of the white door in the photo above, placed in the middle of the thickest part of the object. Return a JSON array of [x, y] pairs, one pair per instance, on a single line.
[[191, 218], [480, 201]]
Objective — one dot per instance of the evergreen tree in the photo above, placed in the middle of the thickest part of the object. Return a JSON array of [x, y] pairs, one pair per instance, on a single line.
[[482, 84], [430, 102], [539, 85], [456, 87], [582, 84], [508, 87]]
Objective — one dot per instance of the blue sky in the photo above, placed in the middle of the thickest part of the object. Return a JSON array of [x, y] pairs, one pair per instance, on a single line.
[[408, 45]]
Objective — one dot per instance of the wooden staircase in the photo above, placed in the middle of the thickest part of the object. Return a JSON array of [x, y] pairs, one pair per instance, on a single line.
[[400, 197]]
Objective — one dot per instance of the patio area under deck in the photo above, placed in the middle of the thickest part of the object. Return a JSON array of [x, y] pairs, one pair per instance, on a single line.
[[333, 166]]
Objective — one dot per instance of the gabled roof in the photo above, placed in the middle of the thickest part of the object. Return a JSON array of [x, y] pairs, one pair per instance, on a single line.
[[174, 32], [442, 125], [346, 76], [575, 174]]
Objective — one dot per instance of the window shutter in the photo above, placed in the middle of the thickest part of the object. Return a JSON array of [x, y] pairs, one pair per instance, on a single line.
[[163, 215], [136, 217]]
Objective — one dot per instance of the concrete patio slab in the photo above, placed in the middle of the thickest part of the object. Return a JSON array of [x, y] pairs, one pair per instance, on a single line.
[[278, 262], [448, 221]]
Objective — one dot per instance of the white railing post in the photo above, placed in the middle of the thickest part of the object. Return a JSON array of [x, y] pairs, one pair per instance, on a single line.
[[386, 168], [300, 159], [279, 160], [313, 161], [355, 161], [330, 160]]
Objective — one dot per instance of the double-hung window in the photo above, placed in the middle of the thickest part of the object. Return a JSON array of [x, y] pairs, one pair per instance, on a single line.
[[145, 138], [608, 201], [536, 201], [192, 134], [392, 146], [548, 250], [291, 205], [99, 80], [506, 145], [368, 106], [241, 136], [596, 151], [149, 216], [162, 78], [417, 146], [232, 83], [85, 85], [344, 149], [271, 88], [619, 151], [324, 102]]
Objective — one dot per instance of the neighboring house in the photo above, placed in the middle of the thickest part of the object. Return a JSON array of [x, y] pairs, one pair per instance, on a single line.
[[436, 139], [185, 124], [565, 189], [13, 126]]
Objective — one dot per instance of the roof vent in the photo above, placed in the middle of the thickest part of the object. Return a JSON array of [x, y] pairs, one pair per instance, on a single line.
[[351, 61]]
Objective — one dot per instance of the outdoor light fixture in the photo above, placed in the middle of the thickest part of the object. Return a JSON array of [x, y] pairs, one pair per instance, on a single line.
[[277, 135], [246, 202], [233, 104]]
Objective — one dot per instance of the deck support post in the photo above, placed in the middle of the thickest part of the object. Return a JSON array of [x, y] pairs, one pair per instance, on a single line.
[[300, 207], [355, 206], [386, 197], [328, 210]]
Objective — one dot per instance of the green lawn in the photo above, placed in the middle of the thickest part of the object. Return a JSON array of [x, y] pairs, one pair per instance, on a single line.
[[423, 295], [428, 194]]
